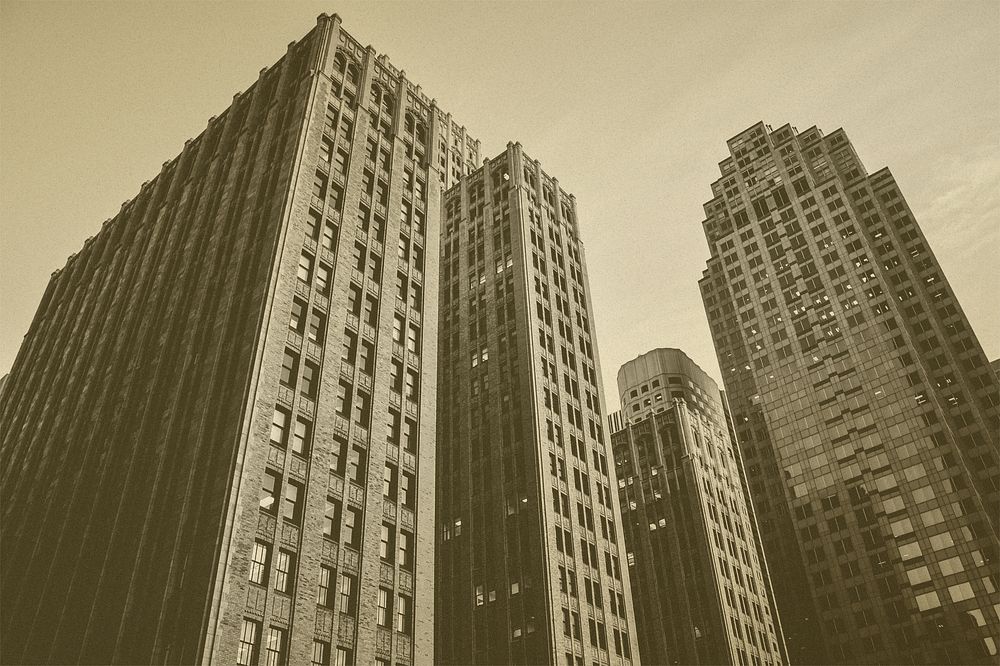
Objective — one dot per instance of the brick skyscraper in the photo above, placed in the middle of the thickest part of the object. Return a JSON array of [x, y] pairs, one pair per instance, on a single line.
[[529, 564], [701, 593], [218, 436], [865, 408]]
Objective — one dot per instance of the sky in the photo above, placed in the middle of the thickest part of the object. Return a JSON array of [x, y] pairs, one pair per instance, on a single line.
[[629, 105]]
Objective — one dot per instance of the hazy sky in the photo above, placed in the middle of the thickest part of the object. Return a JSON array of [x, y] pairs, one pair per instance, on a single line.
[[629, 105]]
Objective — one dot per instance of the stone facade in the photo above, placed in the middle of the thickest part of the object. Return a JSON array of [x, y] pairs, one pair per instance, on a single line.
[[245, 323]]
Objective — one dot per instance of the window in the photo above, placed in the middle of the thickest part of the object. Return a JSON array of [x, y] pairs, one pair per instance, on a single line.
[[246, 654], [325, 596], [258, 562], [269, 492], [274, 653], [284, 571], [356, 466], [293, 502], [319, 186], [331, 519], [387, 547], [330, 234], [298, 316], [345, 657], [323, 279], [300, 438], [389, 482], [310, 379], [405, 550], [321, 654], [343, 402], [410, 442], [384, 615], [412, 339], [289, 368], [348, 598], [408, 490], [352, 528], [279, 427], [404, 614], [317, 327], [305, 268], [412, 385]]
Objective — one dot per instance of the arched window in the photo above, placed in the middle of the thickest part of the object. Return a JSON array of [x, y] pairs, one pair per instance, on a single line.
[[409, 123], [340, 61], [352, 73], [388, 105], [421, 134]]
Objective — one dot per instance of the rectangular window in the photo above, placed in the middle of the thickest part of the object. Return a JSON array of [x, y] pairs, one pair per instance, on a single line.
[[258, 562], [289, 368], [325, 596], [384, 615], [317, 327], [321, 654], [389, 482], [405, 550], [284, 571], [412, 385], [319, 186], [305, 270], [329, 236], [310, 379], [298, 316], [387, 547], [410, 441], [348, 598], [301, 438], [246, 654], [404, 614], [279, 427], [345, 657], [293, 502], [407, 490], [352, 527], [269, 492], [323, 279], [331, 519], [356, 466], [274, 653]]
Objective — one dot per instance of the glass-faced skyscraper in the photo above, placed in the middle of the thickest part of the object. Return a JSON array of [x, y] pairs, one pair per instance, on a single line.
[[529, 551], [218, 435], [866, 410], [702, 595]]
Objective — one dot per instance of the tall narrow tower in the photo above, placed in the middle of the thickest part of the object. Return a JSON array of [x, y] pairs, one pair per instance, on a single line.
[[218, 436], [529, 545], [866, 410], [701, 592]]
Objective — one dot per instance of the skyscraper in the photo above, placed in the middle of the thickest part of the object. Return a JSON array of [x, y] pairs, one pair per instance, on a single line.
[[529, 553], [701, 593], [866, 410], [218, 435]]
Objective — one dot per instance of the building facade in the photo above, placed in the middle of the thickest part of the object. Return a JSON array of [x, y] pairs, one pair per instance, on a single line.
[[529, 548], [218, 436], [701, 591], [865, 408]]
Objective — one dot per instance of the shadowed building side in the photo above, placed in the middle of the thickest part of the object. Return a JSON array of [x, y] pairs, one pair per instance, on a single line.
[[529, 551]]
